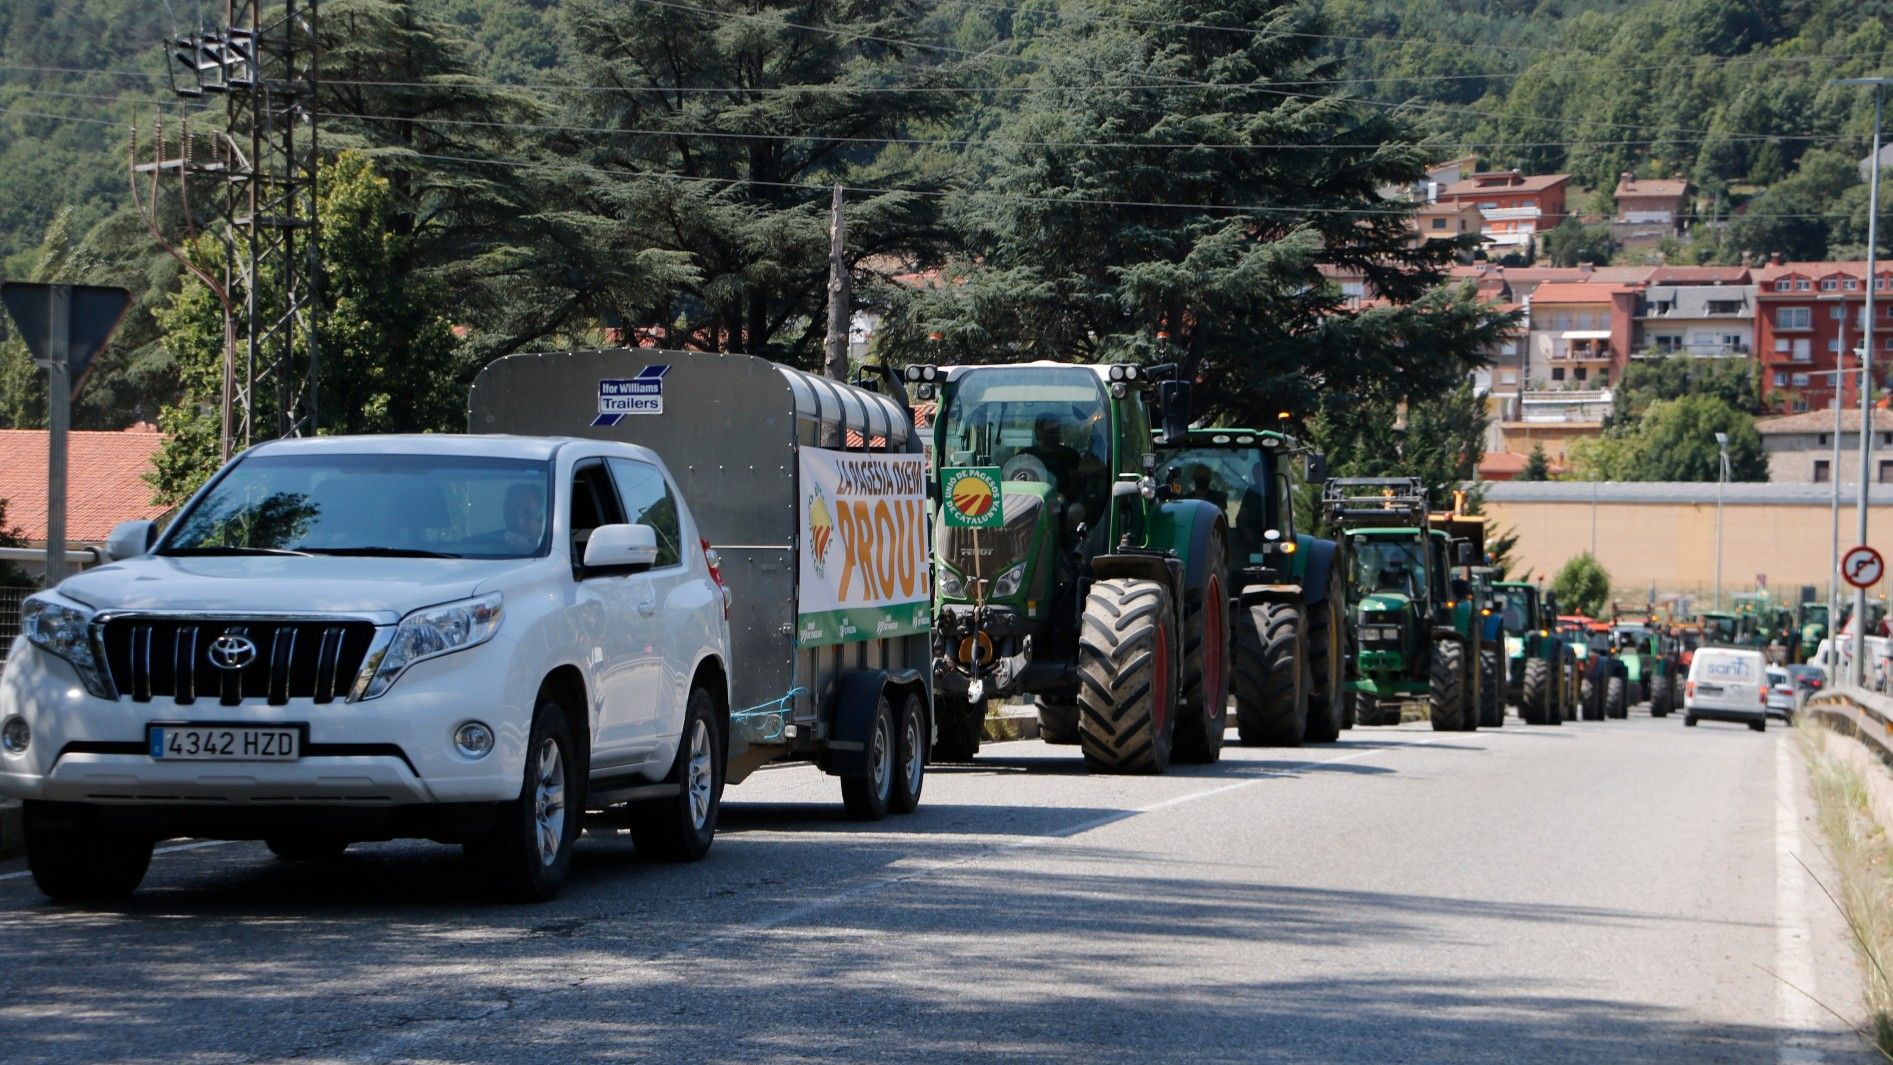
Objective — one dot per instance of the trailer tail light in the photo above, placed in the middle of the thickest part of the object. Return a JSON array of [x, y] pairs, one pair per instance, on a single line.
[[715, 562]]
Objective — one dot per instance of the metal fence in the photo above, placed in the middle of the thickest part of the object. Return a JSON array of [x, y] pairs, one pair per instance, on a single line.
[[1864, 715], [10, 599]]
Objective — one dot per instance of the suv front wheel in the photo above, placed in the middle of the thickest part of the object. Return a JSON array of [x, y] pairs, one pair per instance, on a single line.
[[527, 852]]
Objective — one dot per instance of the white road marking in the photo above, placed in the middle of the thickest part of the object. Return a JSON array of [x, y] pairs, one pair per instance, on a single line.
[[1797, 1016], [193, 846]]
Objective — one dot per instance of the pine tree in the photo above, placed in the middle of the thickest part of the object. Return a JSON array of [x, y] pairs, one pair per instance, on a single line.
[[1118, 223], [1537, 465]]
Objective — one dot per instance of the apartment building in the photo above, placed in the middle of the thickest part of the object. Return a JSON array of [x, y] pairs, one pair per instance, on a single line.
[[1513, 207], [1808, 315]]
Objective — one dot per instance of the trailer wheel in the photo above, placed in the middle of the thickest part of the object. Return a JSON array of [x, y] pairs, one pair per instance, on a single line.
[[910, 751], [1367, 711], [1537, 703], [80, 862], [681, 827], [960, 725], [1660, 696], [1446, 696], [1127, 677], [1616, 698], [1327, 702], [867, 797], [1058, 719], [1271, 689], [1203, 713], [1491, 706]]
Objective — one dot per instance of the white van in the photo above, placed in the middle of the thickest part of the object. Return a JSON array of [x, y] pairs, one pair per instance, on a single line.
[[1727, 684]]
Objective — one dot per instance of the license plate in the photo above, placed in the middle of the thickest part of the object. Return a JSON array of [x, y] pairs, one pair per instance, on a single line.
[[1708, 689], [224, 743]]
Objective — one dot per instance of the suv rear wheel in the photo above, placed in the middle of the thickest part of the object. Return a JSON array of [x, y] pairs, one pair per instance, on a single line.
[[681, 827]]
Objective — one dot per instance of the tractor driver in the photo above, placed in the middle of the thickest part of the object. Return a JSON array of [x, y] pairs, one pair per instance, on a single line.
[[1048, 446]]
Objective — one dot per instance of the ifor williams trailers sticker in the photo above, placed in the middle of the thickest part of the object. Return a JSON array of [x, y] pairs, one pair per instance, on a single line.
[[619, 396]]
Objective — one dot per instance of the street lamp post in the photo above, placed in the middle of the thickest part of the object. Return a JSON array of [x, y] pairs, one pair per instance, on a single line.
[[1833, 514], [1867, 389], [1722, 445]]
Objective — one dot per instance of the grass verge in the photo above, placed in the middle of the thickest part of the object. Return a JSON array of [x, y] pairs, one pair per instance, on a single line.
[[1862, 855]]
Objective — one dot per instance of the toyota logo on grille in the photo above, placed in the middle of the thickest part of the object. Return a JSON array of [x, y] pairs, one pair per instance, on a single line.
[[231, 651]]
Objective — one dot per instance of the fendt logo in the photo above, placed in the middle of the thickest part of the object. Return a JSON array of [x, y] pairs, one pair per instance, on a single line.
[[232, 651]]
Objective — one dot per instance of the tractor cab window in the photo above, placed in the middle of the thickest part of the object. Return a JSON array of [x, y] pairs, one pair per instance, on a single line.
[[1049, 425], [1388, 566], [1238, 481], [1514, 612]]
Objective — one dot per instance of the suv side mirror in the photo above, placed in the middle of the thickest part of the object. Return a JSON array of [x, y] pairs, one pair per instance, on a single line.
[[130, 539], [1314, 467], [1174, 399], [624, 548]]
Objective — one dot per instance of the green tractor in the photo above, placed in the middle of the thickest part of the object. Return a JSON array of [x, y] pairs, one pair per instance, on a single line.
[[1468, 611], [1539, 683], [1811, 624], [1398, 588], [1721, 628], [1065, 571], [1287, 651]]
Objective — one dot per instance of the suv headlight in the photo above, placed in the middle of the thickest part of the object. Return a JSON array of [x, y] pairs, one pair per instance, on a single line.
[[65, 630], [952, 585], [429, 633], [1009, 581]]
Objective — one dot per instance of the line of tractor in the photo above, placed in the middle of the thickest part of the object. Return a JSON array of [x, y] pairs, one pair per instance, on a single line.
[[1140, 580]]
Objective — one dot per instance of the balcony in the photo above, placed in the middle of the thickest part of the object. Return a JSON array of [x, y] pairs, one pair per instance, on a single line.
[[1582, 346], [1511, 214]]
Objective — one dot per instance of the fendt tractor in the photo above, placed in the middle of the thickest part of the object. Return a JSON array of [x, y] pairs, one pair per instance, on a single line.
[[1065, 571], [1288, 650], [1397, 591], [1539, 679]]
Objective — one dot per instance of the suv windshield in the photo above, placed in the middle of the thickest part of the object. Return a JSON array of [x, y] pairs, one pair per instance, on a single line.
[[1045, 424], [426, 506], [1387, 566]]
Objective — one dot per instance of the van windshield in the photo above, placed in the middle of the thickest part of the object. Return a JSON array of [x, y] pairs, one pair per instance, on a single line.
[[414, 506]]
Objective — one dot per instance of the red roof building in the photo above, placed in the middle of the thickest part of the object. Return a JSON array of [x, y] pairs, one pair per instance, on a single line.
[[1516, 208], [1807, 315], [104, 481], [1581, 332]]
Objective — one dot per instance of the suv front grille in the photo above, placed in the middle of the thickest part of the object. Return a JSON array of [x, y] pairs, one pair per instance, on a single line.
[[172, 658]]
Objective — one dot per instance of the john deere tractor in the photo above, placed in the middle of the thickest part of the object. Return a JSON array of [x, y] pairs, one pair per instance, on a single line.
[[1398, 588], [1288, 652], [1066, 571], [1539, 676]]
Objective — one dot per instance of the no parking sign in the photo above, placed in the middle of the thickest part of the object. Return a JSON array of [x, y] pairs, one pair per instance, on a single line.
[[1862, 567]]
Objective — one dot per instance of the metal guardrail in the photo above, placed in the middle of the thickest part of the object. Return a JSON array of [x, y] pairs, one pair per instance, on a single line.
[[1864, 715]]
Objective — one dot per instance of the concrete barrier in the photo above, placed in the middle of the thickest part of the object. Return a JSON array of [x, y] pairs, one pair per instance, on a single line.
[[1864, 715]]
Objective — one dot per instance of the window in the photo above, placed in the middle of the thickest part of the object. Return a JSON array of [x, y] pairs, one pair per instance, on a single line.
[[1823, 471], [593, 504], [1885, 476], [1838, 312], [1731, 340], [647, 501], [1781, 379], [1800, 380], [1582, 373], [1557, 373], [1793, 318], [1508, 377], [1833, 344], [1824, 438], [1829, 284], [1781, 345], [1439, 223], [1802, 285], [1886, 438], [1889, 344], [1852, 284], [1784, 286], [1801, 353], [1561, 321]]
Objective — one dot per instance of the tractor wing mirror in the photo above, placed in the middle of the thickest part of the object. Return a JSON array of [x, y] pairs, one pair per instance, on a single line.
[[1315, 467], [1465, 553], [1173, 397]]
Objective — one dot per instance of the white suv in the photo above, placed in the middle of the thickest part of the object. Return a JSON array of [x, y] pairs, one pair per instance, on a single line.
[[339, 639]]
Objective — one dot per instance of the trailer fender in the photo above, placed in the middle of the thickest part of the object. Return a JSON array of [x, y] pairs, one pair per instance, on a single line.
[[851, 722], [1319, 563]]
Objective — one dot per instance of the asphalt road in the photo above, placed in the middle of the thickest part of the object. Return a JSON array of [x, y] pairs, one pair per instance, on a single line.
[[1620, 892]]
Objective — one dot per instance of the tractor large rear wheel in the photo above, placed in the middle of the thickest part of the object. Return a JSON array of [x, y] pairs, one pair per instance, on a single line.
[[1660, 695], [1368, 711], [1203, 714], [1127, 677], [1327, 697], [1491, 689], [961, 725], [1446, 695], [1271, 690], [1538, 703], [1617, 698]]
